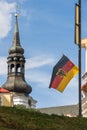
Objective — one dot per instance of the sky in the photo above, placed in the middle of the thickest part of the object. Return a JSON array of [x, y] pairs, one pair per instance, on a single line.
[[46, 29]]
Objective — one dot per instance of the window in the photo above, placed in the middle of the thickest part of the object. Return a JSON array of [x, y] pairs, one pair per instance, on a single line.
[[12, 68], [29, 102], [18, 68], [22, 68]]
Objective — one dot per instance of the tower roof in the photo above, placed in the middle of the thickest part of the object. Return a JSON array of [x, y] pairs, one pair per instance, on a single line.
[[16, 46], [16, 66], [17, 84]]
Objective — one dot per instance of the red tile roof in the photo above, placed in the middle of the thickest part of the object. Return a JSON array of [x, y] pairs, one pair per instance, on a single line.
[[2, 90]]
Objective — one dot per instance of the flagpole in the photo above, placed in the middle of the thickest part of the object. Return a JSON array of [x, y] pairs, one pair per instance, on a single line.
[[79, 59]]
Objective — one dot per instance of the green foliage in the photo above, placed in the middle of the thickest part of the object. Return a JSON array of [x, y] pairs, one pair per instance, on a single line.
[[19, 118]]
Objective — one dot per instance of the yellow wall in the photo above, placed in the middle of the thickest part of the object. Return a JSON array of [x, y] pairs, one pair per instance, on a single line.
[[6, 99]]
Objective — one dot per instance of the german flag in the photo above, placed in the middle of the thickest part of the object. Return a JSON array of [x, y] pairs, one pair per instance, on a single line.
[[63, 72]]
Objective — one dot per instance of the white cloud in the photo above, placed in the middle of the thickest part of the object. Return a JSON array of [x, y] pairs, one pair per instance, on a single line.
[[3, 66], [41, 78], [5, 17], [39, 61]]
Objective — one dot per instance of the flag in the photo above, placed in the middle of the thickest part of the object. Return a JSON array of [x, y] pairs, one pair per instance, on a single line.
[[63, 72]]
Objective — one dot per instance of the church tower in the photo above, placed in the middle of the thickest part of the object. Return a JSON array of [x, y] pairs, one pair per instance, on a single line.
[[16, 72]]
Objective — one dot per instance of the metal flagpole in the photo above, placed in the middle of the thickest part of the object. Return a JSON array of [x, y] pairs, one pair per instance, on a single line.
[[79, 59]]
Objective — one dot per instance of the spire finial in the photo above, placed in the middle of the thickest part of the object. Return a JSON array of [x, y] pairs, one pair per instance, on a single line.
[[16, 14], [16, 24]]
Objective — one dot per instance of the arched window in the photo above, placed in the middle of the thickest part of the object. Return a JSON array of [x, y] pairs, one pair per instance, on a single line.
[[12, 68], [18, 68], [29, 102], [22, 68]]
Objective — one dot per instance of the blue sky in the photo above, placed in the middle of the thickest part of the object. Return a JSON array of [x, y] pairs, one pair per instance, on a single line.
[[46, 30]]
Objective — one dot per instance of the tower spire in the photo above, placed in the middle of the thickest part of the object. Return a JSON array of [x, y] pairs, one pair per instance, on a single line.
[[16, 30], [16, 46]]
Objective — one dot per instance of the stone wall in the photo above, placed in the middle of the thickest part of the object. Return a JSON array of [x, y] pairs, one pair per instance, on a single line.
[[61, 110]]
